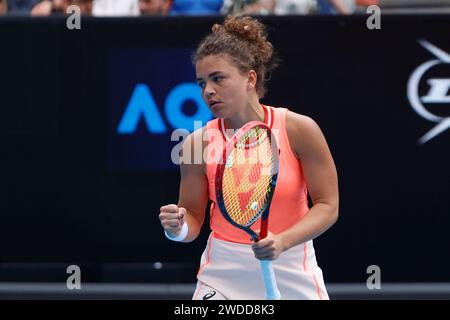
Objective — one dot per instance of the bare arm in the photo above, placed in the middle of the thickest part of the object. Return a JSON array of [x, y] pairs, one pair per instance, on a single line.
[[309, 145], [311, 148], [193, 197]]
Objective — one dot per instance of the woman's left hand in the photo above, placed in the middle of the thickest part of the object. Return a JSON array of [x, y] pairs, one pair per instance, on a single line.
[[268, 248]]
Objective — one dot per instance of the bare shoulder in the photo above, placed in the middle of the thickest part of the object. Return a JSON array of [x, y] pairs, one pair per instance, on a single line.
[[303, 132], [194, 136], [191, 153], [300, 123]]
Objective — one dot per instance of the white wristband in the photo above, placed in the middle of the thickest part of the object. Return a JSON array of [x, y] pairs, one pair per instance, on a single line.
[[181, 236]]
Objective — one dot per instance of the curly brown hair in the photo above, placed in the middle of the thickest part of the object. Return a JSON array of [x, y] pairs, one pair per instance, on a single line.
[[244, 40]]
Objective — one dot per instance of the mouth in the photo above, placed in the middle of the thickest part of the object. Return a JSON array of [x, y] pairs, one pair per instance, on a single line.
[[213, 103]]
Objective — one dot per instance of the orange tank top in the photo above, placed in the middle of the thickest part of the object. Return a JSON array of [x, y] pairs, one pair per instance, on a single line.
[[289, 202]]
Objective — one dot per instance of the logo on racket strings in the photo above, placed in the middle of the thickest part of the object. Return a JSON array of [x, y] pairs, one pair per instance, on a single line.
[[207, 147]]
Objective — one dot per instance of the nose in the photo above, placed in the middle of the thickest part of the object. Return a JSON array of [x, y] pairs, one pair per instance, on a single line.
[[209, 90]]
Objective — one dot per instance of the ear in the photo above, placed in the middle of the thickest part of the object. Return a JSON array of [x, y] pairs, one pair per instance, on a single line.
[[251, 79]]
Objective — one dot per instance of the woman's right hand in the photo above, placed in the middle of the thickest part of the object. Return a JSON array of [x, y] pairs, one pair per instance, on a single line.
[[172, 219]]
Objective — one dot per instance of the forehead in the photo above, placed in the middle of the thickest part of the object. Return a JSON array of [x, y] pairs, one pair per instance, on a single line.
[[214, 63]]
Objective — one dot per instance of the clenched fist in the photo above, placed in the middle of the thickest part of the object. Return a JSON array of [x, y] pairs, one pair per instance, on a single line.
[[172, 219]]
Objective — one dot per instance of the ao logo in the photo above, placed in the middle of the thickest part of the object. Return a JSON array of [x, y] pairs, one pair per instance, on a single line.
[[438, 92], [142, 104]]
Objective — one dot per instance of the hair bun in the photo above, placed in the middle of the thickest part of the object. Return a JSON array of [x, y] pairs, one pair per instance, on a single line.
[[245, 27], [249, 29]]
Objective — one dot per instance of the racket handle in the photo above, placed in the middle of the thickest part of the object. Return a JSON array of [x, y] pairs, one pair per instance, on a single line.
[[272, 292], [264, 229]]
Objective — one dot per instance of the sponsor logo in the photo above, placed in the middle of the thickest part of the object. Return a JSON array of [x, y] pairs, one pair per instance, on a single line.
[[438, 93]]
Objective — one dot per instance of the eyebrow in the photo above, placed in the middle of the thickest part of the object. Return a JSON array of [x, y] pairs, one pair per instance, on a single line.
[[211, 75]]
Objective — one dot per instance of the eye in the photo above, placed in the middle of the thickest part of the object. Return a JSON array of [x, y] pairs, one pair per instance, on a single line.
[[218, 78], [201, 84]]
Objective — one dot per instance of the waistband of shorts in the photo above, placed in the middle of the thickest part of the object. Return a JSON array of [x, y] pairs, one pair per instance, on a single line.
[[218, 237]]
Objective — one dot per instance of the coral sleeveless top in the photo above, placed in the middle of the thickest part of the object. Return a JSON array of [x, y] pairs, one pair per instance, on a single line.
[[289, 202]]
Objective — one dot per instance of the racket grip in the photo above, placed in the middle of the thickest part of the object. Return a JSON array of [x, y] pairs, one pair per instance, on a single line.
[[272, 292]]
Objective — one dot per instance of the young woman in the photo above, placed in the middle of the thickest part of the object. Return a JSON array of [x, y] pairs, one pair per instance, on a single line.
[[232, 64]]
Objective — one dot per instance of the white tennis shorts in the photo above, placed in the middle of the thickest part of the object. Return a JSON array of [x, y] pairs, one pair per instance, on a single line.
[[230, 270]]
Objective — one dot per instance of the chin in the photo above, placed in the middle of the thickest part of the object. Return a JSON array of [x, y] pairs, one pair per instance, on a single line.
[[219, 113]]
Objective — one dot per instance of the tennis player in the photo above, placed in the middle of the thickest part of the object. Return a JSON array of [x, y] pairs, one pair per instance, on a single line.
[[232, 65]]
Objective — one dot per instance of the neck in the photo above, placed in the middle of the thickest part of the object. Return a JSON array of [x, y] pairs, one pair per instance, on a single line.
[[251, 112]]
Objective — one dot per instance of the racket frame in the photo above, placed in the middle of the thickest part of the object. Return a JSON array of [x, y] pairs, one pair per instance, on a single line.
[[219, 179]]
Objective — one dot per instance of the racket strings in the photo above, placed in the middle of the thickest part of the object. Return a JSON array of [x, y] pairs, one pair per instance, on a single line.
[[252, 138], [248, 176]]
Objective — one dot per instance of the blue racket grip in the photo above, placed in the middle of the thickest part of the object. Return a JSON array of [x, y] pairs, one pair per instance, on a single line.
[[272, 292]]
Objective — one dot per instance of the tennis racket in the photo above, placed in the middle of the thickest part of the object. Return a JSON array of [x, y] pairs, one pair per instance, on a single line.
[[246, 176]]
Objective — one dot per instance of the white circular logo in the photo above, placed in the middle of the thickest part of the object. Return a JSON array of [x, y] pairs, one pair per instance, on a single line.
[[437, 93]]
